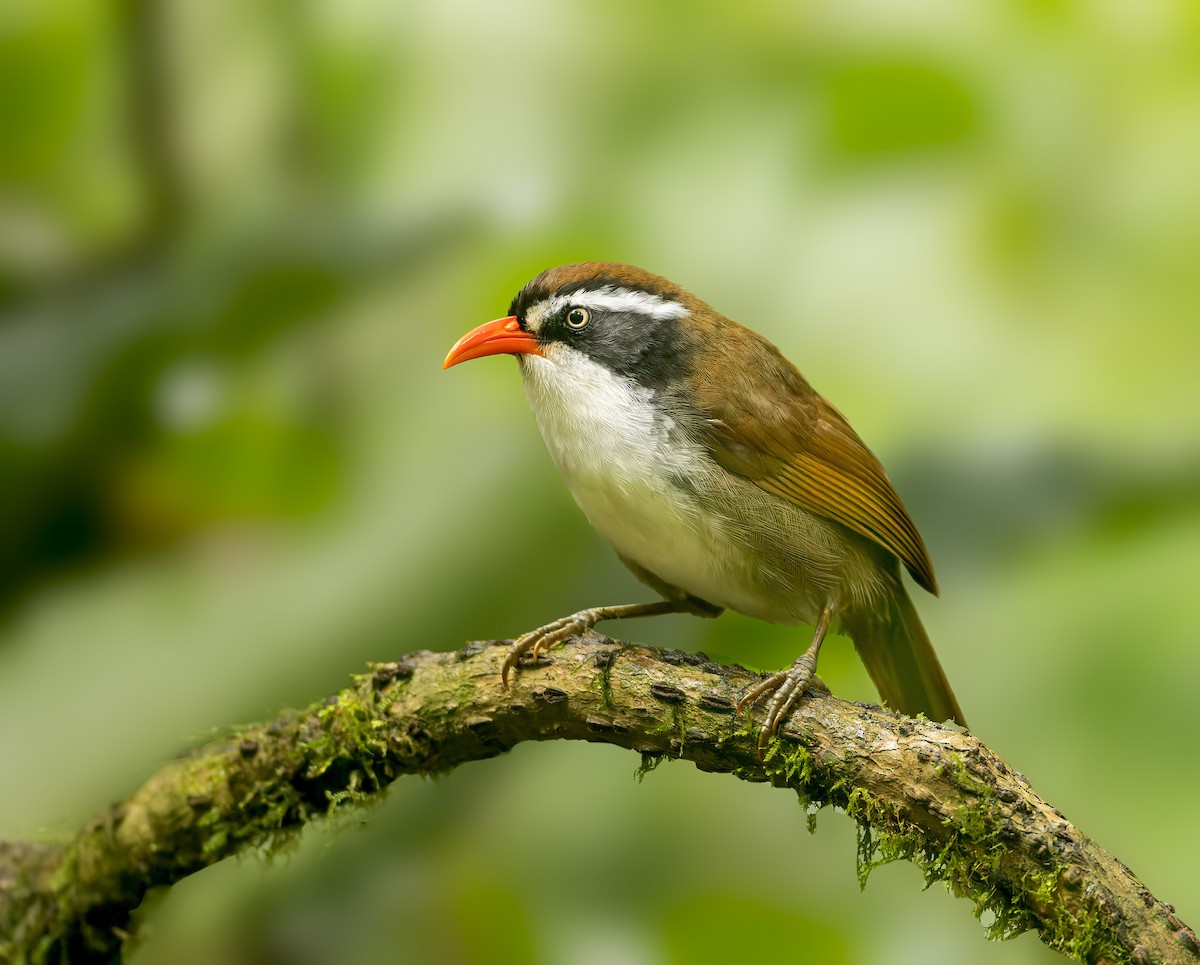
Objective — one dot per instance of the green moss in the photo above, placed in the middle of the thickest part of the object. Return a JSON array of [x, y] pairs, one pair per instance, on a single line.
[[349, 732], [968, 861], [649, 763], [790, 764], [260, 805], [1086, 936]]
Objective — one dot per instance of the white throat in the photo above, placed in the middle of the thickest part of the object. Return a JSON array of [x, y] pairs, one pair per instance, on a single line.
[[597, 423]]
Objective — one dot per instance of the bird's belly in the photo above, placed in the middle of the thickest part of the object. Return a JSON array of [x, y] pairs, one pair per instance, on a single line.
[[663, 529]]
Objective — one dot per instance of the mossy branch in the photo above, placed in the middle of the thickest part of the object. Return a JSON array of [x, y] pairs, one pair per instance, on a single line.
[[918, 790]]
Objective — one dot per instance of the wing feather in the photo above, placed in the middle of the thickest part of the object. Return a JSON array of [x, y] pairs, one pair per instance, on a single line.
[[804, 451]]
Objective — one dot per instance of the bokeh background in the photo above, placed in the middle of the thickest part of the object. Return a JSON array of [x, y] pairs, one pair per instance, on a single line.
[[237, 238]]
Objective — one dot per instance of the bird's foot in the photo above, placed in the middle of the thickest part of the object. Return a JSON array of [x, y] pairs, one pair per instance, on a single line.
[[788, 686], [785, 689], [529, 646]]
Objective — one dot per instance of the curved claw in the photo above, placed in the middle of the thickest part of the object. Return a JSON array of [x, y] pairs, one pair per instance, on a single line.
[[555, 633], [536, 641], [786, 688], [764, 686]]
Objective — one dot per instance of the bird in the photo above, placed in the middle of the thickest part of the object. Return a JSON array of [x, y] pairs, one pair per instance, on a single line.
[[722, 479]]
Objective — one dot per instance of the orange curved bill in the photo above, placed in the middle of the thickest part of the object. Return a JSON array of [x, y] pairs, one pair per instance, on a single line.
[[504, 336]]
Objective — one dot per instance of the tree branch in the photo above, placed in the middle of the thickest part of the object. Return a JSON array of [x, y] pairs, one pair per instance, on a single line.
[[918, 790]]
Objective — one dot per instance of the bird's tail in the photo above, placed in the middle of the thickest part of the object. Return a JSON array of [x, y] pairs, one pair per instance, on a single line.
[[892, 643]]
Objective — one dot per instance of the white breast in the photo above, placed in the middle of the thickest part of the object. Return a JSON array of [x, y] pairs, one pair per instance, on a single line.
[[617, 452]]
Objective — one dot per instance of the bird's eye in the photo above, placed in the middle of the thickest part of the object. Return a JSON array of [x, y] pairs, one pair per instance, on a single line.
[[578, 318]]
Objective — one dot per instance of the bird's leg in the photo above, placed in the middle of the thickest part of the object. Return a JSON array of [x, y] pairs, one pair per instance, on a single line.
[[788, 686], [529, 645]]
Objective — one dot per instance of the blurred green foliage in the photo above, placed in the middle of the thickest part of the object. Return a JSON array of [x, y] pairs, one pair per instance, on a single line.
[[236, 240], [881, 107]]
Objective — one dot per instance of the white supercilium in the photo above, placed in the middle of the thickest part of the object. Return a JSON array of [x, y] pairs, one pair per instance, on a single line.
[[613, 299]]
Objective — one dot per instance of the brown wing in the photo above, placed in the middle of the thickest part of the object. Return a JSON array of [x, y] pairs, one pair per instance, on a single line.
[[773, 428]]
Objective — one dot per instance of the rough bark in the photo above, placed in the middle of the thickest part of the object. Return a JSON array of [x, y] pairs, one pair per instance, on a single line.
[[918, 790]]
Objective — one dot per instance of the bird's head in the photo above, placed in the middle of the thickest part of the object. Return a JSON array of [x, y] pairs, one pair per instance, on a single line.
[[637, 325]]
